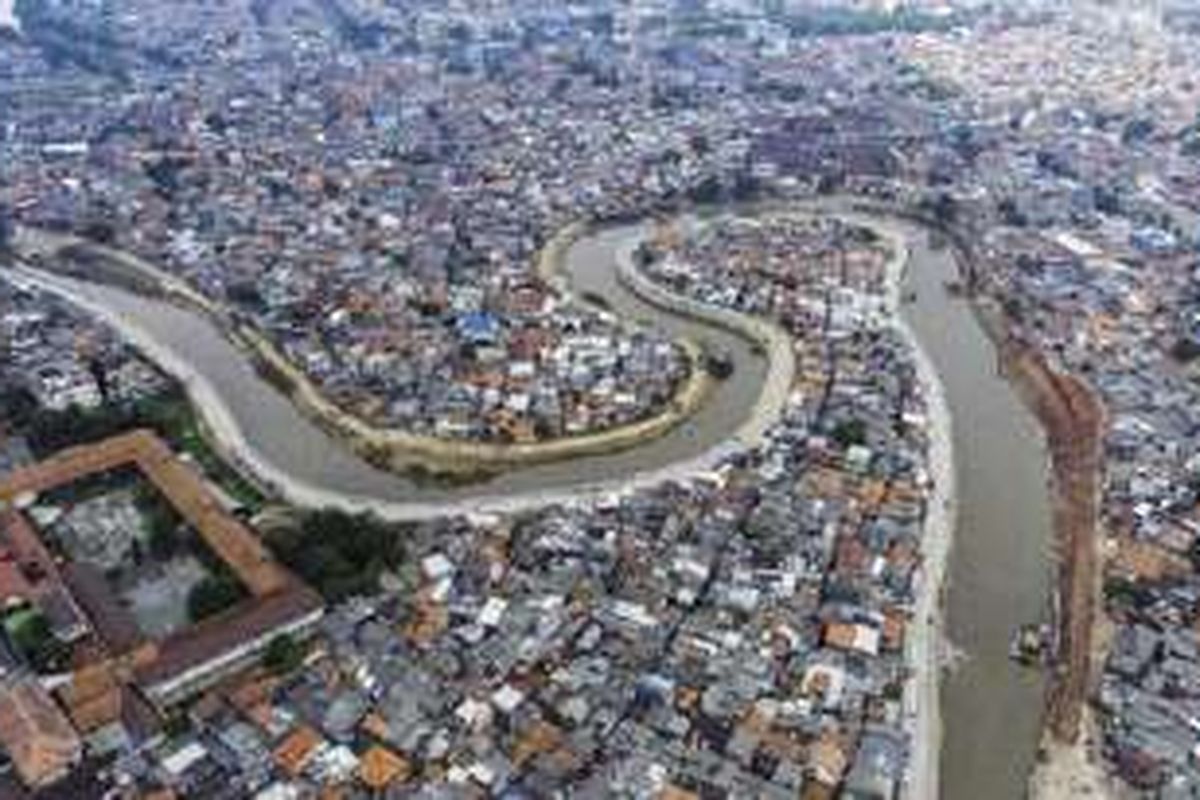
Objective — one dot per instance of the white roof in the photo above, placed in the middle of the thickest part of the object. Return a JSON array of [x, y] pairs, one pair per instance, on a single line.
[[335, 762], [437, 566], [507, 698], [493, 611], [182, 759], [279, 791], [473, 712]]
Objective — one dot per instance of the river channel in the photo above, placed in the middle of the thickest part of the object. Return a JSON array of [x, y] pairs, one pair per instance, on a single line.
[[1000, 565], [280, 441]]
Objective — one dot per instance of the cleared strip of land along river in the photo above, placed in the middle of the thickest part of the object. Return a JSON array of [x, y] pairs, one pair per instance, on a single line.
[[994, 499]]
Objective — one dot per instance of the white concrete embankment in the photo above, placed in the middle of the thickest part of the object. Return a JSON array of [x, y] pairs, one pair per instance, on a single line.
[[234, 444], [776, 343], [924, 641]]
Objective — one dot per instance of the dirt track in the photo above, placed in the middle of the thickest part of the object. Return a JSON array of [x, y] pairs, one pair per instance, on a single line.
[[1073, 420]]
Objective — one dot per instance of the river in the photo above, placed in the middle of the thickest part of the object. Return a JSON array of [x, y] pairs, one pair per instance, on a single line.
[[1000, 564], [285, 443]]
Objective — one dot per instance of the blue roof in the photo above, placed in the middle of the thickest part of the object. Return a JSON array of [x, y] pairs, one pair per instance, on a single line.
[[478, 324]]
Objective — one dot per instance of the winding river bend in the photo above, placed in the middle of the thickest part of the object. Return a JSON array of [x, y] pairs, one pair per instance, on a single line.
[[259, 427], [999, 564]]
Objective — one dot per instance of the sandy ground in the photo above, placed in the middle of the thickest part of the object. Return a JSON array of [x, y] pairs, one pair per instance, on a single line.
[[1074, 771], [1069, 772]]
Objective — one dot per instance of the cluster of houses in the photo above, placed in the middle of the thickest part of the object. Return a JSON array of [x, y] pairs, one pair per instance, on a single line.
[[59, 358], [377, 217]]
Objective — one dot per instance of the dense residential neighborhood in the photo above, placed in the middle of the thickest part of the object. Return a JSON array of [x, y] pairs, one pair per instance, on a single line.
[[374, 188]]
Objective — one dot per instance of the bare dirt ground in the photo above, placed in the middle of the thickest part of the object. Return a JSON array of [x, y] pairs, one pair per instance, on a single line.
[[1073, 419], [1069, 766], [1073, 771]]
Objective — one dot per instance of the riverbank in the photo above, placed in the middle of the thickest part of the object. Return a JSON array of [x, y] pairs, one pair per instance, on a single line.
[[316, 471], [1071, 418], [232, 442], [255, 428], [400, 451], [926, 633], [924, 644], [775, 342], [390, 448], [1074, 420], [925, 636]]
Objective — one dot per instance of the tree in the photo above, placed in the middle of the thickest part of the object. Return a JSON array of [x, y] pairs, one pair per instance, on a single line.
[[1137, 130], [283, 655], [707, 191], [1106, 199], [30, 633], [340, 554], [1010, 213], [160, 519], [944, 208], [100, 230], [830, 183], [212, 595], [1185, 350], [962, 139], [850, 432], [18, 407]]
